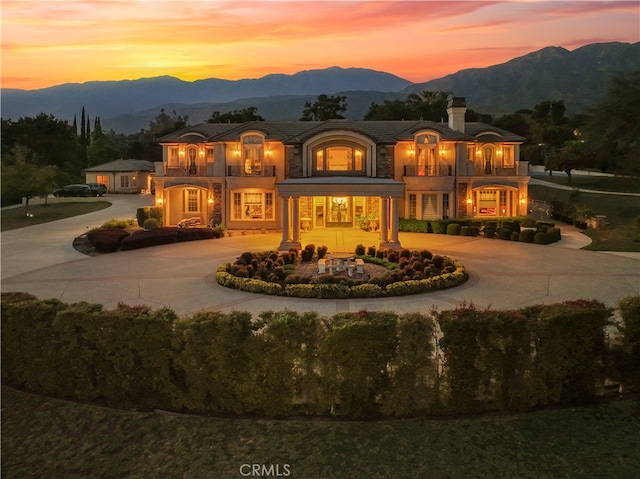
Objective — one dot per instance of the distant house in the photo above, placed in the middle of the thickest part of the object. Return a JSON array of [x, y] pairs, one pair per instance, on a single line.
[[122, 176], [296, 176]]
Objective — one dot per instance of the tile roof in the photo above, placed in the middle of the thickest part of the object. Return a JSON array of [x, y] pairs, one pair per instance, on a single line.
[[124, 165], [294, 132]]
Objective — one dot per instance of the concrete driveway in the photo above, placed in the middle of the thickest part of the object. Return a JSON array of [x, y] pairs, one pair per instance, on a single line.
[[41, 260]]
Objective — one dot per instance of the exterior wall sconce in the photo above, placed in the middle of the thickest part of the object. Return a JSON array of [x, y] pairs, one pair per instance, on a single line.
[[237, 151], [202, 153], [210, 200], [411, 151], [523, 200], [478, 152], [442, 152], [469, 200], [159, 200], [499, 152], [181, 151]]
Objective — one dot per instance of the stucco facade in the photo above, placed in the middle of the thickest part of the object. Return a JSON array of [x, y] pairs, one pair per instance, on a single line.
[[295, 176]]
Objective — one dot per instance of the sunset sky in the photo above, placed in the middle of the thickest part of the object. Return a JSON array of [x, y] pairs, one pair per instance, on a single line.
[[49, 42]]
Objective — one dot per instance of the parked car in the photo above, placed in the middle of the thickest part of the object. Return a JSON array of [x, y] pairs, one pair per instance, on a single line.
[[98, 189], [73, 190]]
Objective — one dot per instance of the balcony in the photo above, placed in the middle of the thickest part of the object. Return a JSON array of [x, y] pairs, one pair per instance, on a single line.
[[266, 170], [427, 170], [494, 171], [185, 171]]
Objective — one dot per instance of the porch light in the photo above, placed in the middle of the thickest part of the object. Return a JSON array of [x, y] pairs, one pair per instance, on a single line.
[[267, 151], [210, 200], [181, 151], [202, 153], [159, 200], [411, 150], [442, 151], [523, 200], [469, 200], [499, 152], [478, 152]]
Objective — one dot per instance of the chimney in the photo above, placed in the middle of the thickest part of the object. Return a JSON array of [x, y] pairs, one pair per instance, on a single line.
[[456, 108]]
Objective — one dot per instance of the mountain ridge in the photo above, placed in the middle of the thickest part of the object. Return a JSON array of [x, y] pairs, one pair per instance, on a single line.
[[578, 77]]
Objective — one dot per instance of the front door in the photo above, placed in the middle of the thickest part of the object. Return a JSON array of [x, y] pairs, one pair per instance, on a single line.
[[339, 208]]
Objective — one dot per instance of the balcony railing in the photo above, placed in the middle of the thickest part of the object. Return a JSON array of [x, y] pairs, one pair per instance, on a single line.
[[427, 170], [493, 171], [266, 170], [185, 171]]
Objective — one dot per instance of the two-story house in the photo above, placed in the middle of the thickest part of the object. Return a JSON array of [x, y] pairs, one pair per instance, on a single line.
[[295, 176]]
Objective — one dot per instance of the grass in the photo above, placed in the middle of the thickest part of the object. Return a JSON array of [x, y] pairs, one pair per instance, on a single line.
[[13, 218], [44, 437], [621, 184], [621, 213]]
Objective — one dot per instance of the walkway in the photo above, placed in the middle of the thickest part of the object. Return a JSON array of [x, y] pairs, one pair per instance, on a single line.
[[41, 260]]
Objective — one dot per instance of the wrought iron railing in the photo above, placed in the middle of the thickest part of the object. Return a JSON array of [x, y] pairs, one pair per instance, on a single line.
[[427, 170], [266, 170], [185, 171]]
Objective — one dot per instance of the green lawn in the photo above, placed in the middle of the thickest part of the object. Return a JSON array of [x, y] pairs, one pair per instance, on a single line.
[[622, 184], [621, 213], [49, 438], [13, 218]]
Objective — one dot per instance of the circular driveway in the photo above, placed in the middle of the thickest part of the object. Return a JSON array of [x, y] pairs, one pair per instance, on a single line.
[[41, 260]]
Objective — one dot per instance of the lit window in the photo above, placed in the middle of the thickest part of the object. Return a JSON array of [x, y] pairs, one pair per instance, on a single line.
[[343, 159], [253, 206], [192, 203], [426, 154], [253, 147], [507, 157], [173, 156]]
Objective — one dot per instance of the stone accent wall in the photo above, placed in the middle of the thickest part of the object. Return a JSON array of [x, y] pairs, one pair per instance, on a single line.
[[462, 200], [384, 159], [217, 203], [293, 161]]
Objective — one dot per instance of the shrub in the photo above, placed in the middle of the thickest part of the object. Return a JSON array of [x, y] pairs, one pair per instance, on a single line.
[[106, 241], [360, 249], [464, 231], [322, 251], [413, 226], [474, 230], [454, 229], [371, 251], [117, 224], [554, 234], [526, 236], [515, 236], [150, 224], [144, 239], [541, 238], [628, 362], [439, 226], [504, 233], [147, 212], [489, 232]]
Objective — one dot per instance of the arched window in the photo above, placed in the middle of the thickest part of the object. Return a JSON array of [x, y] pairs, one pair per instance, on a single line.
[[488, 155], [253, 151], [426, 147], [192, 155], [343, 158]]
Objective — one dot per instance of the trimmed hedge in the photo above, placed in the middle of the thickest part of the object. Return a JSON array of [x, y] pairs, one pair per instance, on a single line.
[[355, 365], [508, 229], [410, 272]]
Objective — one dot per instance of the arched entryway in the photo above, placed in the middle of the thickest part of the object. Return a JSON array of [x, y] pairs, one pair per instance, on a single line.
[[183, 202]]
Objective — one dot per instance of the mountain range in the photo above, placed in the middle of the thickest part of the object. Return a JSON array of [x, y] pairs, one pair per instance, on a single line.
[[578, 77]]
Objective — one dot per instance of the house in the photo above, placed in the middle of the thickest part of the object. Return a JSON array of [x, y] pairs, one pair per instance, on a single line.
[[122, 176], [295, 176]]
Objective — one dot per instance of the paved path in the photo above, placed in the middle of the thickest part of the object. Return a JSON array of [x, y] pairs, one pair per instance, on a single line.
[[41, 260]]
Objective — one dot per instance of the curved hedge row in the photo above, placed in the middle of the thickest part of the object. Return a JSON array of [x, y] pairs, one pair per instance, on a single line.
[[357, 364], [344, 289]]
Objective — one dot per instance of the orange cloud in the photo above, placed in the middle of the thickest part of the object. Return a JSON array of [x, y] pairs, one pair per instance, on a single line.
[[51, 42]]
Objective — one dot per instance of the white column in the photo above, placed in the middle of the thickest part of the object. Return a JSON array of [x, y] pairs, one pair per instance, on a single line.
[[285, 220], [296, 219], [394, 221], [384, 220]]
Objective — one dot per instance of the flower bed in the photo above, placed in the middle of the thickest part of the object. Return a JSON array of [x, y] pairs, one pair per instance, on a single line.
[[388, 273]]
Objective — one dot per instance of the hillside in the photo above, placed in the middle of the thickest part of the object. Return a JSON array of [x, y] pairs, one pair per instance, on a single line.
[[578, 77]]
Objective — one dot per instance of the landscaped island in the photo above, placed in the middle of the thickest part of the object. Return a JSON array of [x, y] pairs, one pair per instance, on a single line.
[[361, 274]]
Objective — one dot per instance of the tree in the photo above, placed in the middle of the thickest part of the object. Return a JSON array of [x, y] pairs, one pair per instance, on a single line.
[[165, 124], [21, 179], [102, 148], [425, 105], [236, 116], [574, 154], [614, 130], [325, 108]]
